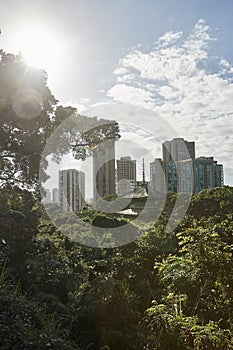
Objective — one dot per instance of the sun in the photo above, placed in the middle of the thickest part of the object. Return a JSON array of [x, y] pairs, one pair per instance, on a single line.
[[41, 47]]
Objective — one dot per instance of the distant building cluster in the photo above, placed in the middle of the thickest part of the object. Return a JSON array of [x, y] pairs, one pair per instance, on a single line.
[[71, 192], [178, 171]]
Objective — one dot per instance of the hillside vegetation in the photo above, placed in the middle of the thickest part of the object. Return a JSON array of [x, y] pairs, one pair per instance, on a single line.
[[162, 291]]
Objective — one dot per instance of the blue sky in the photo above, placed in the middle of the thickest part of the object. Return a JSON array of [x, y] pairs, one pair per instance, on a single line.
[[113, 48], [103, 31]]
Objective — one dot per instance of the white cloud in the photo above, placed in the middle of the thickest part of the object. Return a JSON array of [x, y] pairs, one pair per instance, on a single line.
[[120, 71], [175, 80], [80, 107], [84, 100], [126, 78], [130, 94], [169, 38]]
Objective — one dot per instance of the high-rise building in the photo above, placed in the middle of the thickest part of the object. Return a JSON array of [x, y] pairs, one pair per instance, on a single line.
[[171, 176], [219, 177], [71, 189], [126, 175], [55, 195], [185, 175], [181, 172], [104, 170], [178, 149], [157, 175], [207, 174]]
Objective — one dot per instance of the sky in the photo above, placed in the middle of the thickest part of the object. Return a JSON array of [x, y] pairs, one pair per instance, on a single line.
[[171, 59]]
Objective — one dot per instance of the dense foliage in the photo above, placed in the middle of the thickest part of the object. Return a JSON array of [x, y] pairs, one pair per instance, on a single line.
[[163, 291]]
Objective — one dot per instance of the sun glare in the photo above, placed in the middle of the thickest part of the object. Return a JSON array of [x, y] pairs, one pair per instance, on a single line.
[[41, 47]]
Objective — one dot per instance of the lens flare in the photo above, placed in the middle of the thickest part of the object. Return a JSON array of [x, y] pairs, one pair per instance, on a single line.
[[27, 104]]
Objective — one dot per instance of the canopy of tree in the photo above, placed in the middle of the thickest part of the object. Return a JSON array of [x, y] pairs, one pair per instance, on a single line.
[[29, 114], [163, 291]]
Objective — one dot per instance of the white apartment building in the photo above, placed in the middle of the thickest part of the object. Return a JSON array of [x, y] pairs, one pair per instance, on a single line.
[[71, 189]]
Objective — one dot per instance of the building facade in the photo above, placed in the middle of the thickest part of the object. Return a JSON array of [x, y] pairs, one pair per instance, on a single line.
[[71, 189], [126, 175], [55, 195], [104, 183], [157, 175], [180, 171], [219, 176], [207, 174], [178, 149], [185, 176]]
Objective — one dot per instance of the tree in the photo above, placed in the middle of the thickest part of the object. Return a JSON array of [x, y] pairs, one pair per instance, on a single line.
[[194, 309], [29, 114], [26, 109]]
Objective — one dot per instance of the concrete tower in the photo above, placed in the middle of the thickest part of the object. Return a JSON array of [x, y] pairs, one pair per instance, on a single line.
[[104, 170], [71, 189]]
